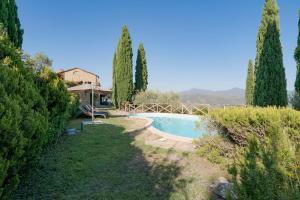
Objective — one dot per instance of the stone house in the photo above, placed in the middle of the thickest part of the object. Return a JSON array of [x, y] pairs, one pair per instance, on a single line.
[[85, 85], [78, 75]]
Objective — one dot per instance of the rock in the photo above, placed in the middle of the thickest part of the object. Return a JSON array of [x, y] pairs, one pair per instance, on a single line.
[[221, 188]]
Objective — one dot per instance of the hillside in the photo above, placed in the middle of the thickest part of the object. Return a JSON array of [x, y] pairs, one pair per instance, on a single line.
[[234, 96]]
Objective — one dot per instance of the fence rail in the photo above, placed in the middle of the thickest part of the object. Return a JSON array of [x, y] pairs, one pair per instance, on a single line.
[[200, 109]]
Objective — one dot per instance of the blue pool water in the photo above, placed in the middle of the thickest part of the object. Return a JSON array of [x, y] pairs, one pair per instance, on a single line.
[[176, 124]]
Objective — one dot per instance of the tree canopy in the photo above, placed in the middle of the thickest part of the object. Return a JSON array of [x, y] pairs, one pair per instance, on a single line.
[[297, 58], [250, 84], [114, 82], [10, 21], [141, 72], [270, 81], [123, 72]]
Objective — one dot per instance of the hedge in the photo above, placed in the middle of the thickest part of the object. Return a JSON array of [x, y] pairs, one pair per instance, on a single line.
[[34, 109], [267, 167], [241, 123]]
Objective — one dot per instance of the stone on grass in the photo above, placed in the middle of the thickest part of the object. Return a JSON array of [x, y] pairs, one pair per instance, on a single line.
[[221, 188]]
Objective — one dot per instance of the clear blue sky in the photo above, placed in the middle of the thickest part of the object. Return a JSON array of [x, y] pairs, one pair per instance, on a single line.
[[189, 44]]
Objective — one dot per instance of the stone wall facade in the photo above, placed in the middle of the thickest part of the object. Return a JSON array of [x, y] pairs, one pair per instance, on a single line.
[[79, 75]]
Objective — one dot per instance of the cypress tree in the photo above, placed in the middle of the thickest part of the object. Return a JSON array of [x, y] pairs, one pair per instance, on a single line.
[[3, 13], [10, 21], [250, 84], [270, 81], [123, 71], [141, 73], [297, 58], [114, 86]]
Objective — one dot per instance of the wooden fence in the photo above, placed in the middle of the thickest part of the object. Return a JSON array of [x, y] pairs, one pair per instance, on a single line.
[[234, 106], [201, 109]]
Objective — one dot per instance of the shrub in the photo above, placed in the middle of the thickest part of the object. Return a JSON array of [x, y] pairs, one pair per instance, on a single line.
[[216, 149], [56, 96], [34, 109], [23, 117], [60, 104], [241, 123], [74, 103], [268, 170]]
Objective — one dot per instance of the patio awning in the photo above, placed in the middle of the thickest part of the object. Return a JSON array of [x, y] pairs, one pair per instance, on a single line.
[[88, 88]]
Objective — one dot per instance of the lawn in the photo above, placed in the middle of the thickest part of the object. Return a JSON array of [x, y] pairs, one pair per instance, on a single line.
[[104, 162]]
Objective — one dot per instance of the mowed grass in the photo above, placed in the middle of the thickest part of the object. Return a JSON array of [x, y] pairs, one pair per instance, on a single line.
[[104, 162]]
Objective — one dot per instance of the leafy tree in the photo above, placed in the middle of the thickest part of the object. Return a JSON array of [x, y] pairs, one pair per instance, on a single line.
[[141, 73], [114, 83], [37, 63], [297, 82], [123, 71], [270, 81], [151, 97], [41, 61], [9, 19], [250, 84]]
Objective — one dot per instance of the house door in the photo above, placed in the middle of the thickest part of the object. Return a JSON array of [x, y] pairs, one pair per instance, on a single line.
[[101, 99]]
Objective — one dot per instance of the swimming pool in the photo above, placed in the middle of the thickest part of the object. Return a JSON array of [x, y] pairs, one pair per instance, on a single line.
[[187, 126]]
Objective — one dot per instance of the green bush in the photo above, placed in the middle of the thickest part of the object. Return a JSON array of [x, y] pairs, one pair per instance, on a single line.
[[74, 103], [269, 166], [56, 96], [23, 117], [241, 123], [34, 109], [216, 149], [268, 170]]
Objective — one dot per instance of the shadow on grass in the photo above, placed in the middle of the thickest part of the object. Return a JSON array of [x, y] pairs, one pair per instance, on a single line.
[[100, 163]]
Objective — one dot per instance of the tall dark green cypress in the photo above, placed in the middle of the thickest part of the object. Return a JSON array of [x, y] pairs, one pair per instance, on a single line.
[[297, 58], [123, 72], [3, 12], [114, 85], [250, 84], [10, 21], [141, 72], [270, 81]]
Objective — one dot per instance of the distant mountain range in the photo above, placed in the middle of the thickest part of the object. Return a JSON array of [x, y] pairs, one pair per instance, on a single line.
[[234, 96]]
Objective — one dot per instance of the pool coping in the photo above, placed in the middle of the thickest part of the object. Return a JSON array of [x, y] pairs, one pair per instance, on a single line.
[[163, 134]]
